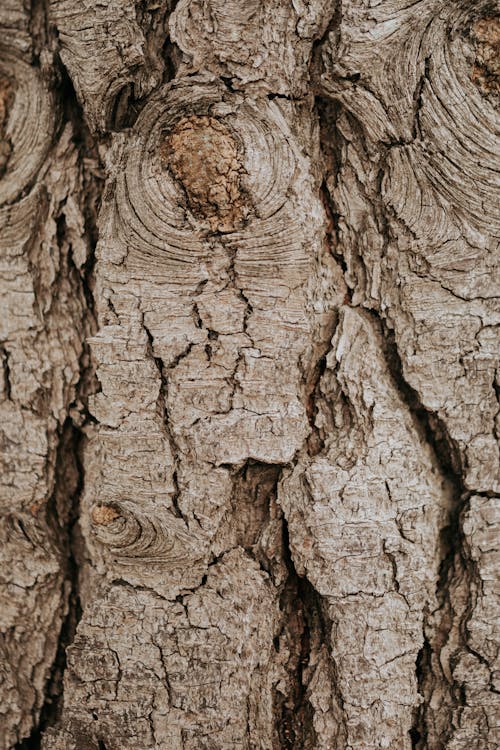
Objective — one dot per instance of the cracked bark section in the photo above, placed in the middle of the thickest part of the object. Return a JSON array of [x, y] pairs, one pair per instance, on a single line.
[[49, 190], [363, 557], [62, 518], [219, 364], [432, 304], [455, 585], [250, 441]]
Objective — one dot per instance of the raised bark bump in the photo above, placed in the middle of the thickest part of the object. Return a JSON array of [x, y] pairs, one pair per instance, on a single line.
[[202, 154], [244, 46]]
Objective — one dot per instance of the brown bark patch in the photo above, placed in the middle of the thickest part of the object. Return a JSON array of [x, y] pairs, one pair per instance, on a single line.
[[202, 155], [486, 70], [6, 99], [103, 515]]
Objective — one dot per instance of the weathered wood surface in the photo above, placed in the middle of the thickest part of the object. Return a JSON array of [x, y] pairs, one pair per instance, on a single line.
[[249, 273]]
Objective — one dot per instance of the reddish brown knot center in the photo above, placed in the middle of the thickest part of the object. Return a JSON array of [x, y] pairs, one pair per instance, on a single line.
[[486, 70], [103, 515], [202, 155]]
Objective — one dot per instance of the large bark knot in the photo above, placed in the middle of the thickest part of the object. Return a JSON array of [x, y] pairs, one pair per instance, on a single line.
[[230, 163], [203, 155]]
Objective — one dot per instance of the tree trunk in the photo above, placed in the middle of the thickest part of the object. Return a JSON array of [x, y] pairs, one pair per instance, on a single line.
[[249, 458]]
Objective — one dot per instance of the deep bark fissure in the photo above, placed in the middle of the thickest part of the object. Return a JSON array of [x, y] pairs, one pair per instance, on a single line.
[[62, 513], [4, 354], [170, 52], [63, 508], [430, 428], [304, 626], [315, 441], [332, 28], [294, 712], [333, 144], [254, 489], [455, 565], [422, 668], [332, 237], [39, 27], [127, 105], [305, 630]]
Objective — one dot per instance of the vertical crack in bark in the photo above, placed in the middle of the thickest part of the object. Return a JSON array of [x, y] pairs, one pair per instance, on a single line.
[[304, 627], [170, 53], [315, 441], [164, 416], [303, 631], [62, 510], [333, 146], [456, 569], [328, 112], [62, 514], [152, 18], [6, 385], [40, 31], [316, 66], [418, 99]]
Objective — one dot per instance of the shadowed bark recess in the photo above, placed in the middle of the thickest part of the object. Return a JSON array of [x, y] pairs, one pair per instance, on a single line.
[[248, 385]]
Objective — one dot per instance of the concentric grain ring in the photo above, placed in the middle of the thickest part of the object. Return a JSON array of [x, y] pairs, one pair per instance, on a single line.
[[155, 210], [28, 125], [463, 160], [130, 535], [456, 156]]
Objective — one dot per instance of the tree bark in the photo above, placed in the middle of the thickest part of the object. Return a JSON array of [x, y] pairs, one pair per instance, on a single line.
[[249, 336]]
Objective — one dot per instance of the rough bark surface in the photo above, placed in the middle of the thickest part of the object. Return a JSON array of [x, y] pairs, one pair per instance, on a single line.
[[249, 346]]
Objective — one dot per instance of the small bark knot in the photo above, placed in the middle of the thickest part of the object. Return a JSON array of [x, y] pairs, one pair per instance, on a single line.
[[130, 534], [102, 515], [486, 70], [6, 99], [202, 155]]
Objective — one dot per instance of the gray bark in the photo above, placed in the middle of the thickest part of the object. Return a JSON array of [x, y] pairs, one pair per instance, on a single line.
[[249, 337]]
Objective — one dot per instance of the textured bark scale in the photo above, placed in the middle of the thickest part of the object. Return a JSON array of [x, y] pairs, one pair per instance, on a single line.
[[249, 394]]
